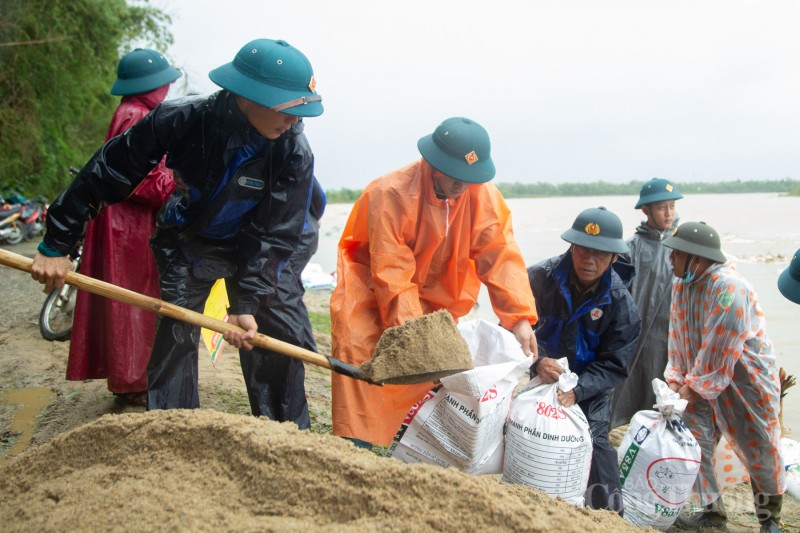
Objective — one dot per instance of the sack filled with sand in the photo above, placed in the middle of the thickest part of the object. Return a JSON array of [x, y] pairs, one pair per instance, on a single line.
[[460, 423]]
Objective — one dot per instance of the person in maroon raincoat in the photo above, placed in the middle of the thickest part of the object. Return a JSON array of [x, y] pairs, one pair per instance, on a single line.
[[109, 339]]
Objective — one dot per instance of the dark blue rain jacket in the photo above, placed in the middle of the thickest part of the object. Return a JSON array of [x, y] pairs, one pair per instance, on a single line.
[[599, 337]]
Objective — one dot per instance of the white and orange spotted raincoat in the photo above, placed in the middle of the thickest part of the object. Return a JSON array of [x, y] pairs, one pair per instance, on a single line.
[[718, 345]]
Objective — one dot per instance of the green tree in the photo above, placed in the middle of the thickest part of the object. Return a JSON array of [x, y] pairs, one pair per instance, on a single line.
[[57, 62]]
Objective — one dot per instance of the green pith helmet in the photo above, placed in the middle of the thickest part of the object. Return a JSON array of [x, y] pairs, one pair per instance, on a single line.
[[599, 229], [696, 238], [141, 71], [273, 74], [657, 190], [460, 149], [789, 280]]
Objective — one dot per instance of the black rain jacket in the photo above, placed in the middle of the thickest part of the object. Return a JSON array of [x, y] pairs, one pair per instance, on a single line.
[[200, 136]]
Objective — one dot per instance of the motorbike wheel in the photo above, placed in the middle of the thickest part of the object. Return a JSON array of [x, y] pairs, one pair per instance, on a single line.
[[55, 320], [14, 236]]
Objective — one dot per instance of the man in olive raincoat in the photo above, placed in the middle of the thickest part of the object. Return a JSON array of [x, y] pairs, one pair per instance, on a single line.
[[652, 291], [420, 239], [722, 362]]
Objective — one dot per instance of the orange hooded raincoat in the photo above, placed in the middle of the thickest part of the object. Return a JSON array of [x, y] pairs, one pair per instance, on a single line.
[[404, 253]]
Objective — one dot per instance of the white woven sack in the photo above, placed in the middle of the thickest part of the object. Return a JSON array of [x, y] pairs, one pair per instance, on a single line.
[[790, 449], [658, 462], [548, 446], [460, 423]]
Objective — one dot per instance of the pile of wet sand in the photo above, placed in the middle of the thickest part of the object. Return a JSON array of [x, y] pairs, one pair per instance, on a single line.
[[201, 470]]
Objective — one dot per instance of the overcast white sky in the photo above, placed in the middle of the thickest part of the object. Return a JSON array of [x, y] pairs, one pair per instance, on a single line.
[[691, 90]]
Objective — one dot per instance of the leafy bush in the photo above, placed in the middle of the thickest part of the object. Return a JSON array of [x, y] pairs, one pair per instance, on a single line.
[[58, 61]]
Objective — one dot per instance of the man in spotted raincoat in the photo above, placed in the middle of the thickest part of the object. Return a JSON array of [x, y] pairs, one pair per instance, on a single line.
[[721, 360]]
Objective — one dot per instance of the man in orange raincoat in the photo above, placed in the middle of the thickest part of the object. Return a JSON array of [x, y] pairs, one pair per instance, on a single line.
[[420, 239]]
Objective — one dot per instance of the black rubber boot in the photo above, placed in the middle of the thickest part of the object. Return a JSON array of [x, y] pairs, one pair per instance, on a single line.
[[768, 512], [713, 516]]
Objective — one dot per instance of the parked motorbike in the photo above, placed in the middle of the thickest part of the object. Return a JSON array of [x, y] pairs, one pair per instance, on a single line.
[[33, 216], [55, 319], [22, 220], [10, 224]]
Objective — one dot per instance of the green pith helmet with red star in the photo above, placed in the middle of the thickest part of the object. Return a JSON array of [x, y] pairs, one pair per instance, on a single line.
[[657, 190], [460, 149], [273, 74], [597, 228]]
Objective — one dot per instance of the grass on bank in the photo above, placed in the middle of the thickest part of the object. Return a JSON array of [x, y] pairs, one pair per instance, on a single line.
[[320, 322]]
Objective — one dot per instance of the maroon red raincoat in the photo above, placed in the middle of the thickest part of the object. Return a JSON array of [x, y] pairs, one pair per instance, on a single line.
[[109, 339]]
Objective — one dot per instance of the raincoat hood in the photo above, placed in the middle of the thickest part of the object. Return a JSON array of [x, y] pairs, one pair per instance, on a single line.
[[150, 99], [645, 230]]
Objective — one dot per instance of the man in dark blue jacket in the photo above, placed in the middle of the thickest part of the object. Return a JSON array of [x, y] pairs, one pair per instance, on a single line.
[[587, 315], [244, 171]]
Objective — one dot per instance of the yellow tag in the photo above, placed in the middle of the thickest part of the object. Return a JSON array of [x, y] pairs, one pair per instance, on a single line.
[[669, 187], [312, 85], [592, 229], [471, 157]]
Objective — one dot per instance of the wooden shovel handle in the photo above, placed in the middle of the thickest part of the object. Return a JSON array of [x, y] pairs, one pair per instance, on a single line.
[[163, 308]]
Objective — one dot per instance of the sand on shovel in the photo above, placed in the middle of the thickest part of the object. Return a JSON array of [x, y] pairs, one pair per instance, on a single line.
[[421, 350]]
